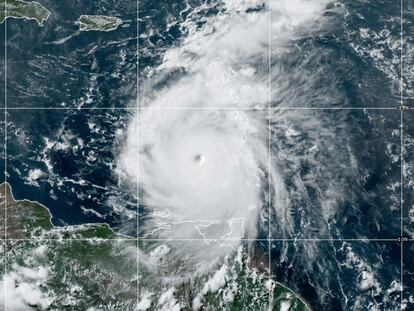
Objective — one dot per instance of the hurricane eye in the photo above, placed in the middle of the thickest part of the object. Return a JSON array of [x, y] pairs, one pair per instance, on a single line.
[[199, 158]]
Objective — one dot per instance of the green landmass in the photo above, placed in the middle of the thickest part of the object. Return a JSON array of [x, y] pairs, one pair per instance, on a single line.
[[81, 273], [98, 23], [90, 267], [246, 287], [31, 220], [23, 9]]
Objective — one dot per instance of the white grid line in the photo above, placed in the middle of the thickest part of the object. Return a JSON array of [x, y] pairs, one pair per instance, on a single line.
[[5, 154], [402, 203], [202, 239], [269, 246], [138, 162], [204, 108], [138, 140], [401, 154]]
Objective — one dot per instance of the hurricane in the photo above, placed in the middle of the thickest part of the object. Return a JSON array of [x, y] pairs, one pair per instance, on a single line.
[[199, 147], [250, 131]]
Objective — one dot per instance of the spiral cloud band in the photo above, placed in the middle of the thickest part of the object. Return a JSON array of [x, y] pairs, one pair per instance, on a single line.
[[201, 169], [199, 147]]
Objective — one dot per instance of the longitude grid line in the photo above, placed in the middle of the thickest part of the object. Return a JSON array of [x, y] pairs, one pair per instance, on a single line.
[[401, 155], [138, 171], [269, 246], [5, 154], [401, 211]]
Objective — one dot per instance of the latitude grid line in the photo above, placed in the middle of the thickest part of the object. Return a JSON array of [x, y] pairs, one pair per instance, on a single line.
[[269, 108], [204, 239], [206, 108]]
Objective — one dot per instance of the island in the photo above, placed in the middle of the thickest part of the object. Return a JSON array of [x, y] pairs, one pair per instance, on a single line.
[[98, 23], [91, 267], [23, 9]]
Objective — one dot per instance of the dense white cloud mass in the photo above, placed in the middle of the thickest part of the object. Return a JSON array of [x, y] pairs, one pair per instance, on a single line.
[[21, 287], [203, 166], [202, 171]]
